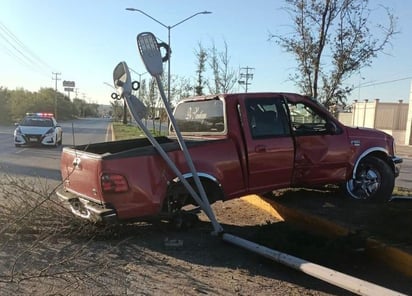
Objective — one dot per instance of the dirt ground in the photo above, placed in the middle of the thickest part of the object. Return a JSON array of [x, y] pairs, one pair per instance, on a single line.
[[156, 259]]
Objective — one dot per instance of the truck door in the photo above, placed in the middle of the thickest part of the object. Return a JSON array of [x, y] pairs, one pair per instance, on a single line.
[[322, 151], [269, 145]]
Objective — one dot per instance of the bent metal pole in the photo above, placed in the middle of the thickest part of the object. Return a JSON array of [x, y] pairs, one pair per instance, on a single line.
[[122, 82], [152, 59]]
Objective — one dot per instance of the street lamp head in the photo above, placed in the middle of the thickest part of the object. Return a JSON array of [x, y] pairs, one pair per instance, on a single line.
[[168, 29]]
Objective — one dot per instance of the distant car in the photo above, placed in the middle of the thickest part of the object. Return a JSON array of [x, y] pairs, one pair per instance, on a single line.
[[38, 129]]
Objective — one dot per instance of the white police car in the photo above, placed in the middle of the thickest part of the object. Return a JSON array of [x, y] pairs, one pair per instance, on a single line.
[[38, 128]]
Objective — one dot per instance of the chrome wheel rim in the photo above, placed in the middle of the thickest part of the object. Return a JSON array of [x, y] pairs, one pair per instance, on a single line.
[[366, 183]]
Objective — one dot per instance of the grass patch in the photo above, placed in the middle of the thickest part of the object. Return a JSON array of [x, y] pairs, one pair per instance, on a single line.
[[129, 131]]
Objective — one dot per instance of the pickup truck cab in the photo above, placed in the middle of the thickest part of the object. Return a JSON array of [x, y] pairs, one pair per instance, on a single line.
[[245, 143]]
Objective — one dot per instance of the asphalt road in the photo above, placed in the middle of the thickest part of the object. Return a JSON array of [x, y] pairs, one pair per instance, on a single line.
[[44, 162]]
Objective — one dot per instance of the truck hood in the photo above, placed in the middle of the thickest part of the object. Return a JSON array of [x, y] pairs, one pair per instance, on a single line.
[[369, 133], [369, 138]]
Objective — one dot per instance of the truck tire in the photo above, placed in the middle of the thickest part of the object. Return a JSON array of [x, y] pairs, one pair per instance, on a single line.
[[184, 220], [374, 181]]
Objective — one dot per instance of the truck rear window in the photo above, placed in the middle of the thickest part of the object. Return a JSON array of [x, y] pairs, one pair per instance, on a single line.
[[200, 117]]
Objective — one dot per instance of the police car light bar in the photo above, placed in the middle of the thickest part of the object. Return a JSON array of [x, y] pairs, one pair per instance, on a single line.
[[40, 114]]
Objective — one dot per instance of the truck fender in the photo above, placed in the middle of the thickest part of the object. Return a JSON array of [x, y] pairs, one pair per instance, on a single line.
[[379, 151], [201, 175], [212, 186]]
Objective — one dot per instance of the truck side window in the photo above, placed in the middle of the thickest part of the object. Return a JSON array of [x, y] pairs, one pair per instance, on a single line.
[[267, 118], [305, 120], [201, 117]]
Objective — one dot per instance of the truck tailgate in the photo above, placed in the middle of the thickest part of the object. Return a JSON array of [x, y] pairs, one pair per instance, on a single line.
[[81, 173]]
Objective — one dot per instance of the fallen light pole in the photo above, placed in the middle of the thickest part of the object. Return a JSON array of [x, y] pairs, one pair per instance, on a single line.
[[328, 275], [150, 53]]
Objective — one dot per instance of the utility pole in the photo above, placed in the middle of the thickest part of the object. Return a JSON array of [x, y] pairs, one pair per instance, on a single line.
[[246, 74], [55, 78]]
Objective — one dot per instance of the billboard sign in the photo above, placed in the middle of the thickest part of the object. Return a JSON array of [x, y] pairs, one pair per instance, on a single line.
[[68, 83]]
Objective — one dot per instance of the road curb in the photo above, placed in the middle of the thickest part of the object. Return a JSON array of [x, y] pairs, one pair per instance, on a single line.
[[390, 255]]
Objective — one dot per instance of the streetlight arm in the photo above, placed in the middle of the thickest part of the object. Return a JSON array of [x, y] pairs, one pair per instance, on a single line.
[[188, 18], [168, 38], [108, 84], [149, 16], [140, 74]]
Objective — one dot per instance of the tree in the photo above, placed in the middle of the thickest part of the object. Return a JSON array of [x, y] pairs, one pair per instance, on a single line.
[[331, 40], [224, 77], [184, 89], [117, 110], [201, 55], [21, 102], [152, 98], [5, 116], [79, 106]]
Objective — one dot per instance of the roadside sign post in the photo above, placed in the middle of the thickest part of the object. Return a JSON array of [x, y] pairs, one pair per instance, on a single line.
[[68, 86]]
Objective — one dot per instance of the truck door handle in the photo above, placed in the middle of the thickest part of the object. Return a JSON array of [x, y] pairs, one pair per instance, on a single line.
[[260, 148]]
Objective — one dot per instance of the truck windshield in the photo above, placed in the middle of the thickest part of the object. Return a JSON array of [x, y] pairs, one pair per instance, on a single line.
[[200, 116]]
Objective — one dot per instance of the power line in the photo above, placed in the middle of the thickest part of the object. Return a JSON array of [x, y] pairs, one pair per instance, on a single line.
[[22, 53], [24, 47], [384, 82]]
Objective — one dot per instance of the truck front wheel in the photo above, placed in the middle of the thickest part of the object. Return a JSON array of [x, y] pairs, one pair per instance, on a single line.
[[374, 181]]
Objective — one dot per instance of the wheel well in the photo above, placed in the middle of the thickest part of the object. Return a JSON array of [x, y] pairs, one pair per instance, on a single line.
[[382, 155], [177, 195], [376, 153]]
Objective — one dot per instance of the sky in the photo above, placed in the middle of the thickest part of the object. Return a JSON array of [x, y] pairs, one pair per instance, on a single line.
[[84, 40]]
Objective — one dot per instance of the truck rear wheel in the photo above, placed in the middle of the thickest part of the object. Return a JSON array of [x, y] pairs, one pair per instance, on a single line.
[[184, 220], [374, 181]]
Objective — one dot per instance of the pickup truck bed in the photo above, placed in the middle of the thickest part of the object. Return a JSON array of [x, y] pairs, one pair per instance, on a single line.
[[101, 169]]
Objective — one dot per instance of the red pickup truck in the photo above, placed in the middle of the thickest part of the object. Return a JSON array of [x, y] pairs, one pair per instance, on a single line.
[[247, 143]]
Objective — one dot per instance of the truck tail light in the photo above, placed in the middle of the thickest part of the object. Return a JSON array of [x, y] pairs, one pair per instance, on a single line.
[[114, 183]]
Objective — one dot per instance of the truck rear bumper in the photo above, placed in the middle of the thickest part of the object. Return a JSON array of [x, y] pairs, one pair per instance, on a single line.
[[86, 209]]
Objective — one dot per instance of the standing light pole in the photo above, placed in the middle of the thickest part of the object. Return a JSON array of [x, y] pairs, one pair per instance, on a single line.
[[140, 78], [168, 38], [124, 105], [55, 91]]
